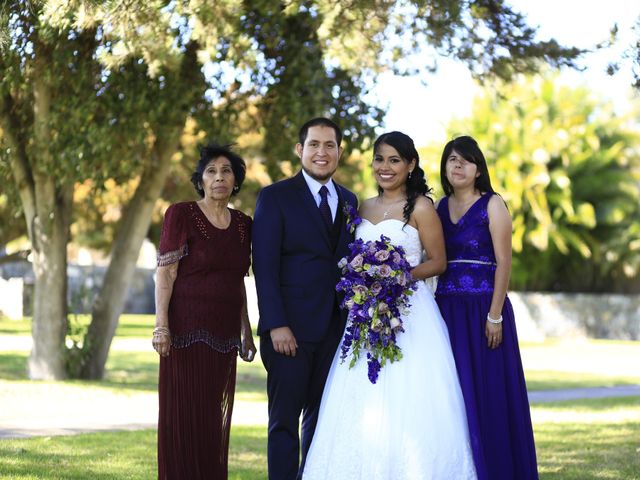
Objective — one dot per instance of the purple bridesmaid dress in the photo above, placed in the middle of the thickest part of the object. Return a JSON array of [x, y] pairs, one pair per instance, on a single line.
[[492, 381]]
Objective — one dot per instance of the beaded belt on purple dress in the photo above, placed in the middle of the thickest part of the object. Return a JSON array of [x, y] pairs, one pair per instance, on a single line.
[[478, 262]]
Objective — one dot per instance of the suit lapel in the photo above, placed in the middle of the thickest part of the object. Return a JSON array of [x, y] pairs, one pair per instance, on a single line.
[[310, 205]]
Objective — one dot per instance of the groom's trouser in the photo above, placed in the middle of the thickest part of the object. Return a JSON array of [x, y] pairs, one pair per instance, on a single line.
[[294, 386]]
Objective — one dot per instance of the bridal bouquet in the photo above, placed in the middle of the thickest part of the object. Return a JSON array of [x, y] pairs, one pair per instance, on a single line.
[[377, 283]]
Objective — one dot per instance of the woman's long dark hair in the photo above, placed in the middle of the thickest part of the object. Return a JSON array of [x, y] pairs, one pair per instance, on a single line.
[[468, 148], [416, 184]]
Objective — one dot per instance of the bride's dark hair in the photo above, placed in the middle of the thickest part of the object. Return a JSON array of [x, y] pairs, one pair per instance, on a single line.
[[416, 183]]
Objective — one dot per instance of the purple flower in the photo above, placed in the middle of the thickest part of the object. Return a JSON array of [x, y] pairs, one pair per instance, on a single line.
[[395, 323], [382, 255], [384, 270], [372, 271], [376, 324], [383, 308], [377, 284], [359, 289], [356, 261], [353, 219], [373, 369]]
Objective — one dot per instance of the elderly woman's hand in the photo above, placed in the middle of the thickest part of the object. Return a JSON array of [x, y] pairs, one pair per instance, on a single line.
[[247, 348], [161, 341]]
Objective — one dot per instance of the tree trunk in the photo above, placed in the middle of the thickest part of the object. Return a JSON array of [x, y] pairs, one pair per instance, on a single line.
[[48, 226], [50, 239], [132, 230]]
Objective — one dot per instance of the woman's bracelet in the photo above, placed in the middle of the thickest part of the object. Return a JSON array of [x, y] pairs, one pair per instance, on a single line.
[[161, 331], [492, 320]]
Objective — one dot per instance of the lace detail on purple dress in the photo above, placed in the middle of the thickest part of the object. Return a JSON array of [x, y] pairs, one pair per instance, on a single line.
[[466, 279], [188, 339], [172, 257], [472, 263]]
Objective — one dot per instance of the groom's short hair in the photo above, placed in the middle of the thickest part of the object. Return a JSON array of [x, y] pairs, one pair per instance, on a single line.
[[319, 122]]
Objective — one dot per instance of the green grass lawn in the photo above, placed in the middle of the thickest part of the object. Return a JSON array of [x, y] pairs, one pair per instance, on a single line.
[[15, 327], [578, 440], [588, 439], [130, 326], [127, 370], [558, 380], [139, 370], [117, 455], [581, 440]]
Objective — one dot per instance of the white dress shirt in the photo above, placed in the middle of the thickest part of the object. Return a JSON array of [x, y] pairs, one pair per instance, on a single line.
[[332, 196]]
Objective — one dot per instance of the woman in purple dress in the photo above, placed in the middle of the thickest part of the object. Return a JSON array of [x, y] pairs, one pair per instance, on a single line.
[[472, 298], [201, 320]]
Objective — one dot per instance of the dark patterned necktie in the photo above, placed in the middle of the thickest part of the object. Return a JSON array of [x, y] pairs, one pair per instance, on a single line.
[[325, 211]]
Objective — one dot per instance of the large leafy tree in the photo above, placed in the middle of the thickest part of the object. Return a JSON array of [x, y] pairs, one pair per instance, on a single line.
[[71, 112], [33, 74], [569, 170], [103, 90]]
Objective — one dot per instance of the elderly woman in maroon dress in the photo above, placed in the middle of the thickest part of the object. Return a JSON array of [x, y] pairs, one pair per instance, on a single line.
[[201, 320]]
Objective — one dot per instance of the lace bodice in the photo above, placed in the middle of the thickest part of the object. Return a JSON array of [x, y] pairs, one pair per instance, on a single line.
[[399, 234], [471, 260]]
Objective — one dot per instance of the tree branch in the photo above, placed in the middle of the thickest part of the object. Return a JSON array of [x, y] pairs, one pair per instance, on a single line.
[[18, 158]]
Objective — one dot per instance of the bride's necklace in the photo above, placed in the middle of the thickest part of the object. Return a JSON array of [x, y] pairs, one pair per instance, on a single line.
[[389, 207]]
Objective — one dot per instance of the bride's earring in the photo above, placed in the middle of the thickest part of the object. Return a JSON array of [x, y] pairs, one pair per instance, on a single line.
[[409, 178]]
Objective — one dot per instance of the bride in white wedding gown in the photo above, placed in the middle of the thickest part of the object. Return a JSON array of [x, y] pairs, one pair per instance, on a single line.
[[411, 424]]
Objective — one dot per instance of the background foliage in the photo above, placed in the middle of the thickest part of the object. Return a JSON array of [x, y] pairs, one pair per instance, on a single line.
[[103, 104], [569, 170]]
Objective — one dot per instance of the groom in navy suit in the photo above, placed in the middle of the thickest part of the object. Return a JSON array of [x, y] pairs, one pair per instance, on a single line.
[[299, 235]]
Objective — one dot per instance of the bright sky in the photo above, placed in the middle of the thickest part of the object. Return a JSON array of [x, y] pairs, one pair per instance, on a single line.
[[423, 111]]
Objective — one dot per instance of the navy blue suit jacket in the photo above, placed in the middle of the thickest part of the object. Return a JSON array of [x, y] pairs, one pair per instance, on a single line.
[[294, 265]]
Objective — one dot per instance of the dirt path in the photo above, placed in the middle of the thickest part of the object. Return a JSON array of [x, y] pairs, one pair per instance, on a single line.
[[46, 409]]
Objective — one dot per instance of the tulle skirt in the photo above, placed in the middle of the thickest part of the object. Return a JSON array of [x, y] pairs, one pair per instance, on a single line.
[[410, 425]]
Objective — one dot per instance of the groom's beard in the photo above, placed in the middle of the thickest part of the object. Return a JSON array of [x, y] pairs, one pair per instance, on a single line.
[[320, 178]]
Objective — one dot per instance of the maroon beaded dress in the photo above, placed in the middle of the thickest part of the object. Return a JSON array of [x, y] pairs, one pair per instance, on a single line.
[[197, 379]]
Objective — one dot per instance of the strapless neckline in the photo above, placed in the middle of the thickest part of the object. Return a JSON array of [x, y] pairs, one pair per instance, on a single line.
[[388, 220]]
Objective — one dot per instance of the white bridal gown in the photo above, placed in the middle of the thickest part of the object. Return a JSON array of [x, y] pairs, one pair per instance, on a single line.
[[411, 424]]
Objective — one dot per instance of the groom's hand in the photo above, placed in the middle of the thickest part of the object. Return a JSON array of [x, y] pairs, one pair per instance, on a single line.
[[283, 341]]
